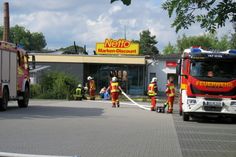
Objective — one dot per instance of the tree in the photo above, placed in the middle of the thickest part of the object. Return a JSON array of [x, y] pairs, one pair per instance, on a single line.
[[71, 50], [169, 49], [222, 44], [37, 41], [147, 43], [24, 38], [20, 36], [206, 41], [233, 38], [211, 14]]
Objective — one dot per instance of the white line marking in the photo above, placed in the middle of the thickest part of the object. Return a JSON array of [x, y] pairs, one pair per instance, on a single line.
[[5, 154]]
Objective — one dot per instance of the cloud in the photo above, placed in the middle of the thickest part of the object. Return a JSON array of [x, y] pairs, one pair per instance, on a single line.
[[88, 22], [98, 30], [114, 9]]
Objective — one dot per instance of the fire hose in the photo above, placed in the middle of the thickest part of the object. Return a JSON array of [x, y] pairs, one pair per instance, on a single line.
[[140, 106]]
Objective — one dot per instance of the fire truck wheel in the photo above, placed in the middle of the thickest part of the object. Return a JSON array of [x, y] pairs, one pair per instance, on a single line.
[[25, 101], [4, 100], [185, 116]]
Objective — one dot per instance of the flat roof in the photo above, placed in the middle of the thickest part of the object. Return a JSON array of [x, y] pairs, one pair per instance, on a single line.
[[99, 59]]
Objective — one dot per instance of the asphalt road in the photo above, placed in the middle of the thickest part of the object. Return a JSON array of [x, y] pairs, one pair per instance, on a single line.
[[94, 129]]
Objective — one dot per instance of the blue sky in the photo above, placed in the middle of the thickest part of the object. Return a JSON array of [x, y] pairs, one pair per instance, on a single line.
[[91, 21]]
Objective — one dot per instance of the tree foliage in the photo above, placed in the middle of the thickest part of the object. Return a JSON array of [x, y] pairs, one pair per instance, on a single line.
[[22, 37], [74, 50], [147, 43], [211, 14], [206, 41], [38, 41], [233, 38], [169, 49]]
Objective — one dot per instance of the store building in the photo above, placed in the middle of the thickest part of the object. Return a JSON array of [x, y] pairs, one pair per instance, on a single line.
[[115, 58], [163, 67], [130, 70], [133, 72]]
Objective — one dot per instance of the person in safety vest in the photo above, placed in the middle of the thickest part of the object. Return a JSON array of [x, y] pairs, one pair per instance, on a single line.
[[92, 88], [115, 92], [79, 92], [170, 92], [152, 92]]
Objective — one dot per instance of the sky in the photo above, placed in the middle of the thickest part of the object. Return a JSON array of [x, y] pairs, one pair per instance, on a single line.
[[90, 21]]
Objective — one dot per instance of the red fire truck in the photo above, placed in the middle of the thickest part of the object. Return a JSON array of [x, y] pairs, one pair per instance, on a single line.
[[208, 83], [14, 74]]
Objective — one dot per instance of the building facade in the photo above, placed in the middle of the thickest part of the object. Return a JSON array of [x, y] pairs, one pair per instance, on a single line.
[[163, 67], [133, 72], [129, 70]]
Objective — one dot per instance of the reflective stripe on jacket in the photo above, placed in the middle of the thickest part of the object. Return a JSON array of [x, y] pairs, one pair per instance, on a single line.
[[171, 89], [114, 87], [92, 85], [79, 92], [152, 89]]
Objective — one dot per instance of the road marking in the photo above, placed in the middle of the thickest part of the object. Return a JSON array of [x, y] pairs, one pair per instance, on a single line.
[[5, 154]]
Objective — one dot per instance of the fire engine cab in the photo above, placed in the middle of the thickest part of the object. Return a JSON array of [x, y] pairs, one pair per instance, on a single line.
[[14, 74], [208, 83]]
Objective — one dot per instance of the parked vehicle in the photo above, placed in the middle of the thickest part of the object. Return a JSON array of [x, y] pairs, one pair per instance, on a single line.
[[14, 74], [208, 83]]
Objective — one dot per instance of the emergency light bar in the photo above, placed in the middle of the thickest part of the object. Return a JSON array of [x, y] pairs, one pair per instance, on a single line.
[[232, 52], [198, 50], [229, 52]]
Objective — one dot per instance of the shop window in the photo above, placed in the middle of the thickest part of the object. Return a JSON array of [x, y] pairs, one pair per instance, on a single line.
[[151, 75]]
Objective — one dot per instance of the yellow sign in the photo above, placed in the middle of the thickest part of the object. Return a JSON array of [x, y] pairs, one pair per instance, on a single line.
[[120, 46]]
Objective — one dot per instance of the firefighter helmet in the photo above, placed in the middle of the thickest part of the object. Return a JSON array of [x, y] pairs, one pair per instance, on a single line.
[[154, 79], [89, 78], [79, 85], [114, 79]]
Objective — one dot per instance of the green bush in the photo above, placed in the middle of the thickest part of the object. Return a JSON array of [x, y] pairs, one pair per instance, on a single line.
[[35, 90], [54, 85]]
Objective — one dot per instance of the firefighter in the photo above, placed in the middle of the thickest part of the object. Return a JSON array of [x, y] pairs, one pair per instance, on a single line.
[[170, 92], [152, 93], [79, 92], [210, 73], [115, 92], [92, 87]]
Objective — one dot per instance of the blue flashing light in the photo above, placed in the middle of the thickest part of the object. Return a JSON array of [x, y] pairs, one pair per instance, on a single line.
[[232, 52], [196, 50]]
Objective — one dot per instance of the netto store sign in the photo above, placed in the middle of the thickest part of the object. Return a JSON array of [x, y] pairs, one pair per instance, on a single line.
[[118, 47]]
